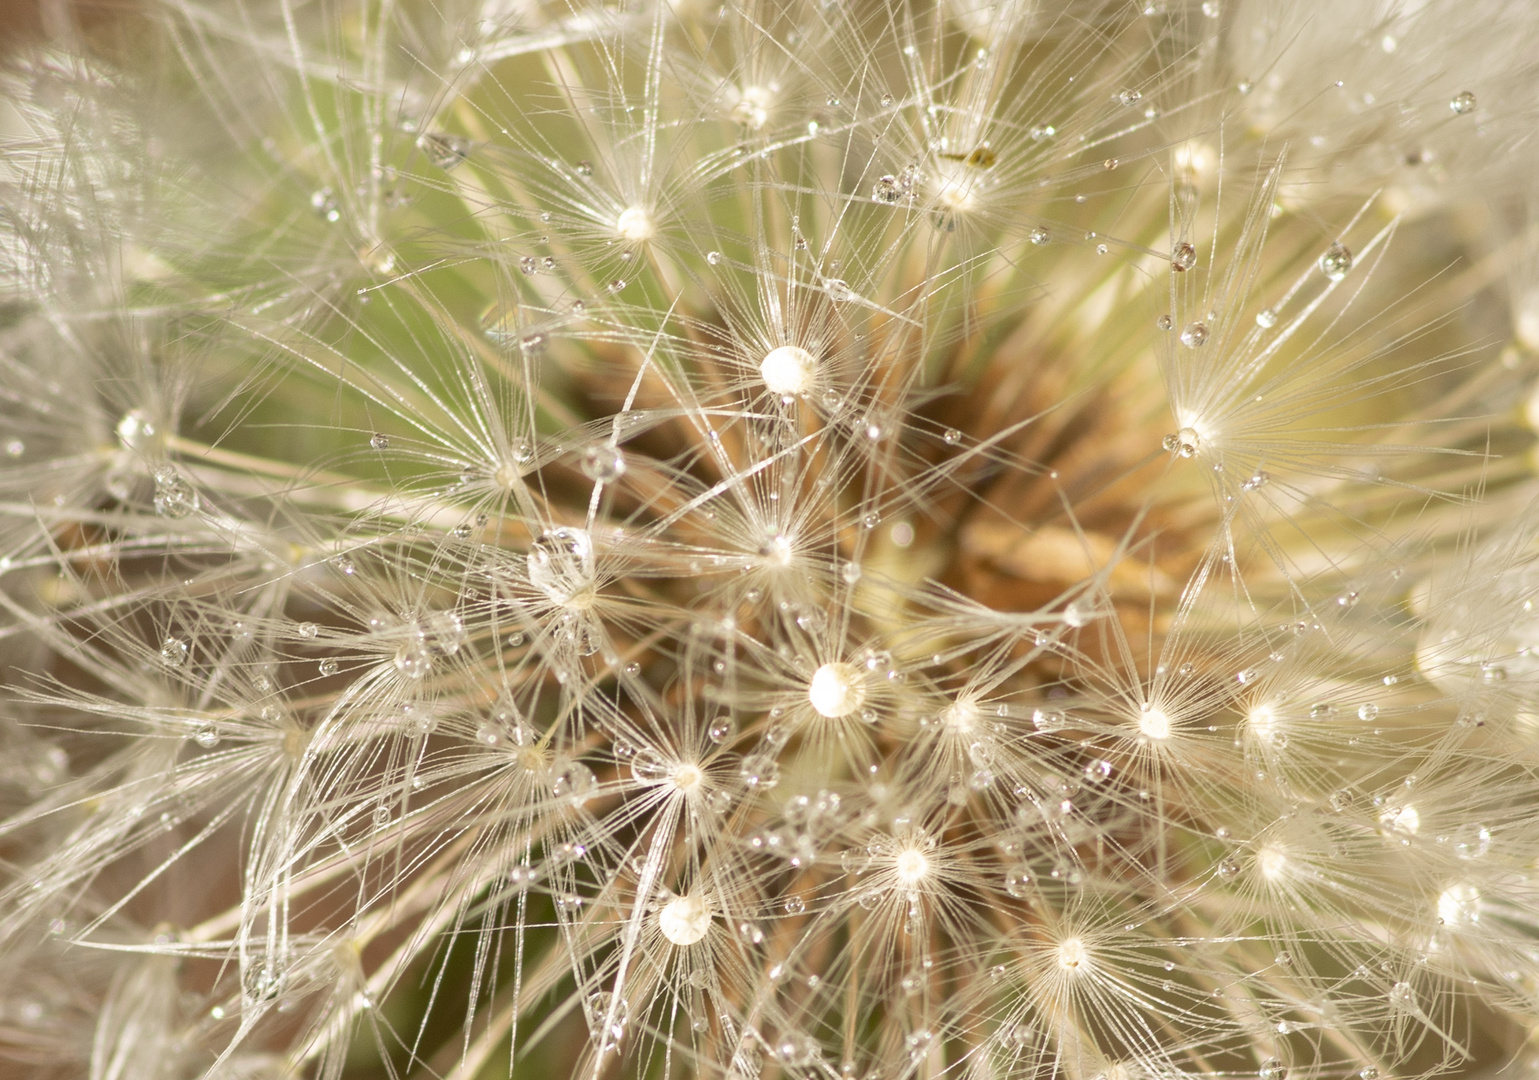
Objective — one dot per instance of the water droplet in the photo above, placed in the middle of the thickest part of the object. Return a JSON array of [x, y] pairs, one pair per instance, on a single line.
[[1258, 479], [561, 564], [721, 729], [795, 905], [1184, 443], [1336, 261], [796, 1049], [323, 204], [1194, 335], [444, 151], [759, 772], [15, 448], [413, 659], [263, 981], [887, 190], [607, 1017], [173, 652], [1130, 97], [574, 783], [206, 736], [1039, 236], [838, 290], [1272, 1069], [584, 168], [174, 497], [1471, 841], [1367, 712], [135, 430], [1266, 318], [1183, 257], [445, 633], [329, 667], [1463, 102], [1048, 720], [603, 464]]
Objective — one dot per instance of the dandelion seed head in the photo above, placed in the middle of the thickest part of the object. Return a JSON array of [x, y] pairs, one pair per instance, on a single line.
[[1272, 862], [778, 551], [1459, 905], [961, 717], [753, 106], [911, 866], [789, 370], [687, 776], [1072, 956], [956, 186], [690, 495], [1153, 723], [1263, 721], [507, 476], [1404, 819], [1196, 159], [837, 689], [635, 224], [685, 920]]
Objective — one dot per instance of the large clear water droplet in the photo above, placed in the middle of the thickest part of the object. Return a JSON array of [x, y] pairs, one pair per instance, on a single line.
[[174, 496], [1336, 261], [561, 564]]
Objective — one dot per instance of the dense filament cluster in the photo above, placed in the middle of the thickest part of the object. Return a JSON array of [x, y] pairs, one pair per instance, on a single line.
[[812, 539]]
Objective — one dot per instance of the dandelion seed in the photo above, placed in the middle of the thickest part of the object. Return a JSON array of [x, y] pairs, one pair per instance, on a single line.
[[635, 224], [789, 371], [685, 920], [1072, 955], [1153, 723], [911, 866], [837, 690]]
